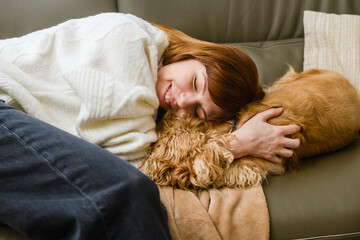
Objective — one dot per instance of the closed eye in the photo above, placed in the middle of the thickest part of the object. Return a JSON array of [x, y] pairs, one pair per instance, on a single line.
[[195, 114], [201, 110], [194, 82]]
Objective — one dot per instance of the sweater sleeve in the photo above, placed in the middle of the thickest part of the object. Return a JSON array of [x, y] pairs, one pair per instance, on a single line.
[[117, 87], [114, 115], [93, 77]]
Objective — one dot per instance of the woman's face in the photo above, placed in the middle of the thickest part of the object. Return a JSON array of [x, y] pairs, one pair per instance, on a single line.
[[182, 88]]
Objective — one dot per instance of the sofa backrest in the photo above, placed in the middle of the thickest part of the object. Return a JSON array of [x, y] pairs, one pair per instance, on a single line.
[[270, 31], [233, 21], [19, 17], [224, 21]]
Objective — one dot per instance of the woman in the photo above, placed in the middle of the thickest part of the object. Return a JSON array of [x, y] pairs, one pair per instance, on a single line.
[[213, 82], [58, 186]]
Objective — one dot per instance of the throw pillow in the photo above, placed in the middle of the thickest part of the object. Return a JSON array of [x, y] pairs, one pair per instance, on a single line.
[[333, 42]]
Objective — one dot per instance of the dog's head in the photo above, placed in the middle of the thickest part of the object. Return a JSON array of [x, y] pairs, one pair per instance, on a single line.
[[189, 153]]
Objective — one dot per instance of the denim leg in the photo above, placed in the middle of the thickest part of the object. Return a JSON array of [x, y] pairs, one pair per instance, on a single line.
[[56, 186]]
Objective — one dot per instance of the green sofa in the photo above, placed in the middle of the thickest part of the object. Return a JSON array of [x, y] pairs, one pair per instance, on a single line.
[[321, 201]]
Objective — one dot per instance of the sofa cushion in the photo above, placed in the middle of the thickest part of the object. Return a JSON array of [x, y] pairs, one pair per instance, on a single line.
[[320, 201], [19, 17], [229, 21], [333, 42], [273, 57]]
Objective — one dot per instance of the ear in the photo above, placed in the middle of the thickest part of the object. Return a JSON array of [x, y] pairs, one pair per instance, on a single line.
[[210, 164], [289, 75], [158, 170]]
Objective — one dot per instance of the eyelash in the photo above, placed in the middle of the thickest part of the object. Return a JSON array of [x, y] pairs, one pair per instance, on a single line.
[[195, 79]]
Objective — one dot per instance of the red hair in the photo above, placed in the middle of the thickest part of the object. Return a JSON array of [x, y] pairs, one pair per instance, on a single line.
[[232, 75]]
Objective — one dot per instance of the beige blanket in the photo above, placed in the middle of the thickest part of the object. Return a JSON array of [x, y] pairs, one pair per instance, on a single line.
[[216, 213]]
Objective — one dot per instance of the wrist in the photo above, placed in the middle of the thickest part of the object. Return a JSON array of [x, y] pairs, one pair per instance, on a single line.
[[236, 146]]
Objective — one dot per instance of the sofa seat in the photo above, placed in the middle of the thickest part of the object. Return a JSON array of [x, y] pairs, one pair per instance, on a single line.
[[320, 201]]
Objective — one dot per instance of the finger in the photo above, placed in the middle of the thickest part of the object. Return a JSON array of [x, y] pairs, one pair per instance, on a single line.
[[290, 129], [291, 143], [275, 159], [270, 113], [287, 153]]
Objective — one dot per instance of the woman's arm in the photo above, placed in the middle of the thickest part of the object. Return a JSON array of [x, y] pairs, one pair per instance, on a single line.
[[260, 139]]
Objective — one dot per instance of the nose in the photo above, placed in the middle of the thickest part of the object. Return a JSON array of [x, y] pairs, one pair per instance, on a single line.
[[186, 103]]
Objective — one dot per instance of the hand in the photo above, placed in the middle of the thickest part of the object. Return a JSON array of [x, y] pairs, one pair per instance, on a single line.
[[260, 139]]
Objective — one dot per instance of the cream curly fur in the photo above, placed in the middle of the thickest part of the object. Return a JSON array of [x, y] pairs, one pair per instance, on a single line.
[[191, 153]]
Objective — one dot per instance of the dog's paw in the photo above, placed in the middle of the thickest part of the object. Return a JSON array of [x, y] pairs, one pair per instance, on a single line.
[[241, 176]]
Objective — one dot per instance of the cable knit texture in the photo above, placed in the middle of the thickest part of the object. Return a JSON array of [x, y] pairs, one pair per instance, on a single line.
[[92, 77], [332, 42]]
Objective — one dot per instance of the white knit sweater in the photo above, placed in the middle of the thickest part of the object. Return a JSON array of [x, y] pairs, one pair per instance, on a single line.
[[92, 77]]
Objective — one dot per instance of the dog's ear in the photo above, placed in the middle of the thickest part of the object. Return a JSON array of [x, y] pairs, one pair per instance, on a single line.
[[210, 163], [289, 75], [158, 169]]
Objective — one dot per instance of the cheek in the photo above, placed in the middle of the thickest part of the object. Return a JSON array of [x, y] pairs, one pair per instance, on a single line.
[[158, 88]]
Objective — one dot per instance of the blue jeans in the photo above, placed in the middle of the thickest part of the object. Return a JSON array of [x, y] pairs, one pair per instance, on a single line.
[[56, 186]]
